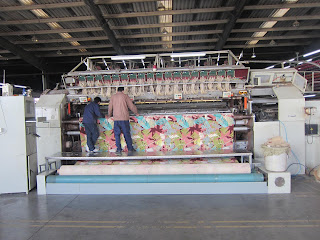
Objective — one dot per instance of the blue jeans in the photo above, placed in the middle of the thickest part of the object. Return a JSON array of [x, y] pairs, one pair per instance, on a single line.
[[124, 127], [92, 132]]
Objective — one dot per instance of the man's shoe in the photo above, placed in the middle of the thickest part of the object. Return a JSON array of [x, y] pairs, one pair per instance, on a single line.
[[95, 150]]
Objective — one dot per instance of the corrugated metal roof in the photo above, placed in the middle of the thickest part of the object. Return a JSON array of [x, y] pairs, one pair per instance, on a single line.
[[137, 26]]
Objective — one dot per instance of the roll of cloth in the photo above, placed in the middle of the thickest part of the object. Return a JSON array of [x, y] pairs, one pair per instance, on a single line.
[[159, 161], [159, 169]]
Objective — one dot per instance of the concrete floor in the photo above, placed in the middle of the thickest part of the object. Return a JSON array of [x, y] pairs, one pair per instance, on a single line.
[[52, 217]]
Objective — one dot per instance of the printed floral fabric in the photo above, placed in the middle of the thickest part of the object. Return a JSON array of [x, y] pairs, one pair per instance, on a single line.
[[170, 133]]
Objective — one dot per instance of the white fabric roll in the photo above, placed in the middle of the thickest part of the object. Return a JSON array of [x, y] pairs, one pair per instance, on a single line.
[[222, 168]]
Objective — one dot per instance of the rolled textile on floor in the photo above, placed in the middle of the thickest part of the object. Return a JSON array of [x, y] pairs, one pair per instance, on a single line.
[[159, 161], [190, 178], [222, 168]]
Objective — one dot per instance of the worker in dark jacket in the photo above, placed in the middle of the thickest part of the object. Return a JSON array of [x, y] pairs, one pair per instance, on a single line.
[[118, 108], [91, 114]]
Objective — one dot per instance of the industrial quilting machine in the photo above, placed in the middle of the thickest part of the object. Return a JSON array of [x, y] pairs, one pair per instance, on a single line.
[[194, 134]]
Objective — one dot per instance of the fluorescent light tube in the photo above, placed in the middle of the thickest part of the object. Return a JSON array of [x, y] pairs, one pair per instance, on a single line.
[[188, 54], [270, 67], [286, 67], [312, 95], [241, 55], [311, 53], [127, 57]]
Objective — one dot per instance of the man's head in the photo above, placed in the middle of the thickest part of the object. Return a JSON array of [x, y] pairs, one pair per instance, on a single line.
[[97, 100], [120, 89]]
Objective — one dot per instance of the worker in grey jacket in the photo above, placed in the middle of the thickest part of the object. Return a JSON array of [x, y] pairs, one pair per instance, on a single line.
[[118, 108]]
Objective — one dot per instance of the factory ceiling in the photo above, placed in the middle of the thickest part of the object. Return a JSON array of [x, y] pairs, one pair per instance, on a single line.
[[51, 36]]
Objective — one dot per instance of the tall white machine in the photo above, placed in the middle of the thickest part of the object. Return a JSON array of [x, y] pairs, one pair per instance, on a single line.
[[18, 144], [49, 113], [282, 114]]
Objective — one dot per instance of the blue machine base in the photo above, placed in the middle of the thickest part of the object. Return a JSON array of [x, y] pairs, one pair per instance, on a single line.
[[184, 178], [158, 188]]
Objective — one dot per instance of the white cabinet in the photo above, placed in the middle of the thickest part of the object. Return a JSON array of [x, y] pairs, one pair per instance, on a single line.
[[18, 150]]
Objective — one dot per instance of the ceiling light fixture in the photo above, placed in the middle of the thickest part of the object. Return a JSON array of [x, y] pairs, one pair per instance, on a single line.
[[295, 24], [34, 39], [253, 54], [311, 53], [127, 57], [161, 7], [188, 54], [164, 31], [273, 42], [286, 67]]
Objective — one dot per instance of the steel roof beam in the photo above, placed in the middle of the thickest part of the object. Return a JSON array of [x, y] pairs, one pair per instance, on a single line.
[[192, 47], [174, 24], [246, 30], [47, 20], [169, 12], [285, 37], [156, 43], [41, 6], [105, 26], [276, 29], [26, 56], [233, 16], [157, 50], [28, 42], [104, 38], [279, 19], [50, 31], [278, 6], [210, 10], [102, 2], [169, 34], [267, 45]]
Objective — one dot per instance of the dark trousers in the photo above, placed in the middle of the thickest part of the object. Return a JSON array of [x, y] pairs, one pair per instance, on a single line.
[[92, 132], [124, 127]]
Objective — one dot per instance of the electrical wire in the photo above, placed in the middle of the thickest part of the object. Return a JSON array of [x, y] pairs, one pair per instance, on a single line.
[[295, 156], [313, 169], [296, 164]]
